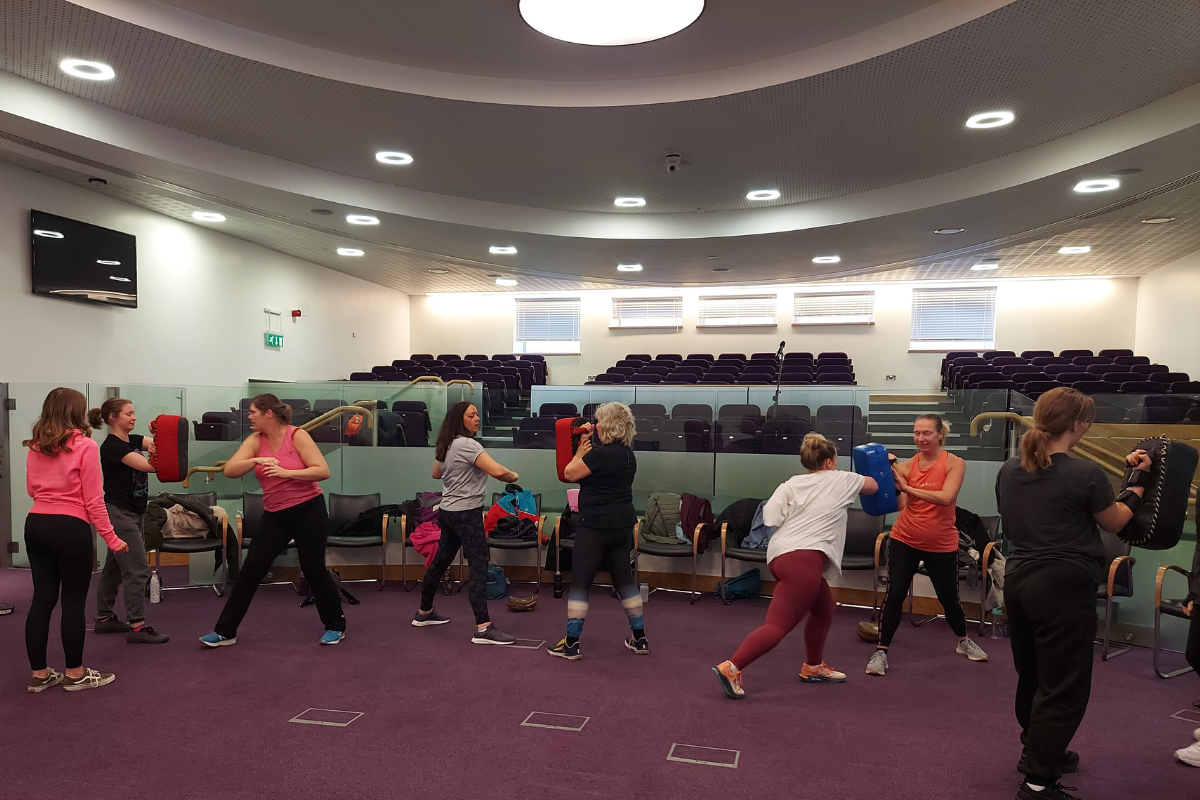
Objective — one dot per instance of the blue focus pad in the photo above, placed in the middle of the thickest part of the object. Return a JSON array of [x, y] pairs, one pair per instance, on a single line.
[[871, 460]]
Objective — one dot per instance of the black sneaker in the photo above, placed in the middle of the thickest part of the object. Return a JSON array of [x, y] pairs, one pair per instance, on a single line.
[[1055, 792], [639, 646], [1070, 763], [111, 625], [432, 618], [492, 635], [146, 635], [564, 650]]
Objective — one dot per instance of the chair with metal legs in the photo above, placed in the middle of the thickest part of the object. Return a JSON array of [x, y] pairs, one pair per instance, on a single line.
[[1119, 584], [1172, 608], [680, 550], [190, 547], [249, 523], [501, 543], [864, 538]]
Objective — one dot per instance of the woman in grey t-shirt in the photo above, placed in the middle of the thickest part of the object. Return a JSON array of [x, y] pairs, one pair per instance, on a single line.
[[463, 467]]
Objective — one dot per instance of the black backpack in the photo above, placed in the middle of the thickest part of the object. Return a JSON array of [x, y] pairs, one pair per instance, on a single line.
[[369, 522]]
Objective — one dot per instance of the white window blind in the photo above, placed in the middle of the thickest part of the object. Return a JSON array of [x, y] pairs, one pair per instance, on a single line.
[[953, 318], [724, 311], [547, 325], [647, 312], [834, 308]]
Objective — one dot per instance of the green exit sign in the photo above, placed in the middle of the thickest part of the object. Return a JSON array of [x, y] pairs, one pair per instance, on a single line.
[[273, 339]]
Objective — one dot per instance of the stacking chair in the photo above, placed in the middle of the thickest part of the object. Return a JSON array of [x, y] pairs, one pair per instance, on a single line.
[[345, 508], [680, 550], [1172, 608], [731, 548], [1118, 584], [190, 547], [500, 543], [864, 538]]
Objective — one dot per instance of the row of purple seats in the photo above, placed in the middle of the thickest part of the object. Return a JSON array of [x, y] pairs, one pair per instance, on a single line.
[[1066, 356]]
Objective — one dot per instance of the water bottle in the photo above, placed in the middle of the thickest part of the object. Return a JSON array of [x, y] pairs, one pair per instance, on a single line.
[[645, 589], [155, 587], [997, 621]]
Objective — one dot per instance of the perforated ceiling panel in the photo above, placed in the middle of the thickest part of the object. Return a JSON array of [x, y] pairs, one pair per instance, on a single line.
[[1061, 66]]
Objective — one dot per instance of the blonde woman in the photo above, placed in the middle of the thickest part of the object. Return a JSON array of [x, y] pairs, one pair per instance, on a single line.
[[604, 467]]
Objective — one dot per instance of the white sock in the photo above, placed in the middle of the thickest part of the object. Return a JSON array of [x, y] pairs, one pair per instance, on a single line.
[[483, 627], [1035, 787]]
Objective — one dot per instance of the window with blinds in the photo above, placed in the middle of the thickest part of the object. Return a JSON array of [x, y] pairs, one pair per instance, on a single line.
[[728, 311], [834, 308], [647, 312], [546, 325], [954, 318]]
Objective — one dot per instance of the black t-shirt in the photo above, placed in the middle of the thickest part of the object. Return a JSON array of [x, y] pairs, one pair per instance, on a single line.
[[124, 487], [1048, 515], [606, 496]]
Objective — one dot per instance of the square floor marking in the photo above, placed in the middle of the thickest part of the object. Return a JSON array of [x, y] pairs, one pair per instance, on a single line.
[[710, 756], [527, 644], [326, 716], [1187, 715], [555, 722]]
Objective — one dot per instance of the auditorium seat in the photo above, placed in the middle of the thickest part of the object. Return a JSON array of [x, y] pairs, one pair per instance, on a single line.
[[702, 356], [511, 357], [791, 427], [1094, 387], [685, 435], [1069, 354], [1115, 353], [536, 424], [533, 440], [1035, 389], [643, 357], [682, 377], [1150, 369], [838, 412], [1185, 387], [447, 357], [419, 357], [1170, 377], [691, 411], [655, 410], [1139, 387], [1131, 360], [1031, 354], [845, 434], [558, 410], [794, 412], [737, 356], [363, 376], [475, 357], [1045, 361]]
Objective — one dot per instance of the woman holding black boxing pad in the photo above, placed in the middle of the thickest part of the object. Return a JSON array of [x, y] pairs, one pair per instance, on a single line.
[[1050, 504]]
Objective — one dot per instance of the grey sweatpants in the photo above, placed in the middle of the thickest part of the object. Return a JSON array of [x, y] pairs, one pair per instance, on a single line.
[[130, 569]]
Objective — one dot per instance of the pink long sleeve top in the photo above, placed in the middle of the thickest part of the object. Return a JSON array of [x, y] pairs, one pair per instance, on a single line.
[[70, 483]]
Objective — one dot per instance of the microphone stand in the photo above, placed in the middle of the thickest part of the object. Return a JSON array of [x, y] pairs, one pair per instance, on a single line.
[[778, 380]]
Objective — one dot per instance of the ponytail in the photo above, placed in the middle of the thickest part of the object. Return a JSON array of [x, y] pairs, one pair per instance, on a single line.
[[1054, 414], [269, 402], [815, 450], [99, 417]]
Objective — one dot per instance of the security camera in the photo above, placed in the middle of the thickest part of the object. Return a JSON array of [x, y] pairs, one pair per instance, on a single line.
[[674, 163]]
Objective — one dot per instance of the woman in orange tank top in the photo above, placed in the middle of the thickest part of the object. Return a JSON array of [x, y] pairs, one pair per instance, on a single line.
[[927, 487]]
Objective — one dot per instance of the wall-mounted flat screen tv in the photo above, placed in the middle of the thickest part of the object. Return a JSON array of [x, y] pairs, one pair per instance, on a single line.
[[74, 260]]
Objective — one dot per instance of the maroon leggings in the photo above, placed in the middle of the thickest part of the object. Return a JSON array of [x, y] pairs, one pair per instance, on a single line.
[[800, 590]]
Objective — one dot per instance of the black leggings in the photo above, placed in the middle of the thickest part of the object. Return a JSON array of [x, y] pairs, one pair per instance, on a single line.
[[60, 557], [597, 549], [942, 569], [306, 524], [460, 529]]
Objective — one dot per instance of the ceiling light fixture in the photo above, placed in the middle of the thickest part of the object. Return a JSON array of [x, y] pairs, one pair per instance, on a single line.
[[827, 259], [606, 23], [321, 212], [393, 157], [948, 231], [502, 250], [119, 278], [720, 269], [108, 263], [629, 267], [630, 202], [350, 251], [1158, 220], [505, 282], [763, 194], [48, 234], [208, 216], [88, 70], [1075, 250], [362, 219], [1097, 185], [984, 266], [990, 119], [438, 271]]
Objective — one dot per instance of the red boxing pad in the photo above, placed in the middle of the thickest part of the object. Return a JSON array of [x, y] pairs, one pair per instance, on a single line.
[[566, 442], [170, 459]]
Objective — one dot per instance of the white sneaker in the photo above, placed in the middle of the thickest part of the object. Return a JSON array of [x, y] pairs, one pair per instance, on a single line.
[[878, 664], [1196, 733], [1190, 755], [971, 650]]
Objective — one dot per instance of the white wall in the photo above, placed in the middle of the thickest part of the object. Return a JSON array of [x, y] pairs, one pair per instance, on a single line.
[[1043, 315], [1168, 315], [201, 293]]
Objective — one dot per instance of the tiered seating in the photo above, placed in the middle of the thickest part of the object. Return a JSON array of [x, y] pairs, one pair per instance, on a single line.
[[1034, 372], [528, 370], [760, 369], [411, 420]]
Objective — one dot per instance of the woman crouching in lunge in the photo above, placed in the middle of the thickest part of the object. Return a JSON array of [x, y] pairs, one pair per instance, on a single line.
[[463, 467], [809, 512], [604, 467], [927, 487], [289, 465]]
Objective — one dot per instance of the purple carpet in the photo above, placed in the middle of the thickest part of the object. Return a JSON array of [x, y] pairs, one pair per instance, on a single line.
[[442, 717]]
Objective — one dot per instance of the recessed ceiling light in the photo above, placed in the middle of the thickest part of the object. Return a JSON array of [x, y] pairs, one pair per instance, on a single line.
[[321, 212], [505, 282], [1158, 220], [362, 219], [208, 216], [438, 271], [990, 119], [827, 259], [763, 194], [983, 266], [1097, 185], [948, 231], [108, 263], [48, 234], [502, 250], [393, 157], [629, 202], [609, 22], [119, 278], [1072, 251], [88, 70], [629, 267], [350, 251], [720, 269]]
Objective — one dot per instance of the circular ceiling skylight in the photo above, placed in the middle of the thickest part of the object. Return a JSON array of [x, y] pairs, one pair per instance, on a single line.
[[990, 119], [393, 157], [108, 263], [1098, 185], [208, 216], [763, 194], [610, 22], [502, 250], [88, 70], [827, 259], [349, 251], [362, 219], [630, 202], [1075, 250], [48, 234], [1158, 220]]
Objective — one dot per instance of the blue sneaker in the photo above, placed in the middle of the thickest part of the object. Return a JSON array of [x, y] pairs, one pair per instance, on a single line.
[[332, 637], [217, 640]]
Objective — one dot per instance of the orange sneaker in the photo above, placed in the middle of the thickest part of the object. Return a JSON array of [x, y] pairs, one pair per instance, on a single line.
[[821, 674], [731, 681]]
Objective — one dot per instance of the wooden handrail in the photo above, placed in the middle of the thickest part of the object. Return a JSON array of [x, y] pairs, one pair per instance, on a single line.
[[460, 380], [427, 379]]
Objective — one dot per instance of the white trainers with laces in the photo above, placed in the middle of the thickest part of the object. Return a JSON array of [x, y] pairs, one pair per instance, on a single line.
[[971, 650], [1190, 755]]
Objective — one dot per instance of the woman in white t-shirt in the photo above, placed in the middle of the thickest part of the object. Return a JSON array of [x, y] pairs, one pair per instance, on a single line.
[[809, 514]]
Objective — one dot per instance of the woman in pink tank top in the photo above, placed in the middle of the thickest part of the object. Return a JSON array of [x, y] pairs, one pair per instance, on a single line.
[[288, 465], [924, 533]]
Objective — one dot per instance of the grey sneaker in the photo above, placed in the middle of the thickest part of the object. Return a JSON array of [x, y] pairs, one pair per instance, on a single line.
[[432, 618], [878, 664], [146, 635], [492, 635], [42, 684], [90, 679], [971, 650], [111, 625]]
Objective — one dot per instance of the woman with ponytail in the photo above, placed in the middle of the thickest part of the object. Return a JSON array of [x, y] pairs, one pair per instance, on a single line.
[[809, 514], [1050, 505], [126, 490]]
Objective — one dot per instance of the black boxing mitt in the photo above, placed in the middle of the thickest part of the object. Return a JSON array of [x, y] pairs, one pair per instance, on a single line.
[[1158, 523]]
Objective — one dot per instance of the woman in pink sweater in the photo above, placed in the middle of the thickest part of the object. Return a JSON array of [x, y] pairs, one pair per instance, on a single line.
[[62, 474]]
